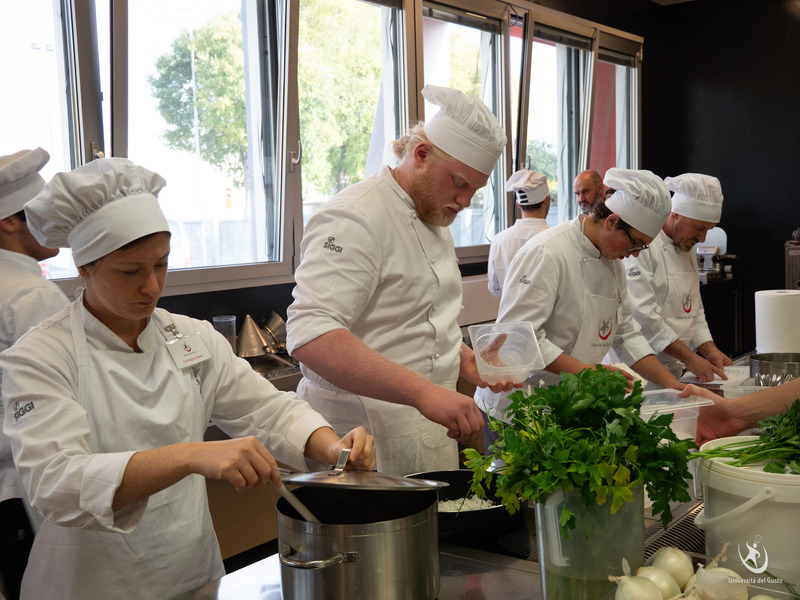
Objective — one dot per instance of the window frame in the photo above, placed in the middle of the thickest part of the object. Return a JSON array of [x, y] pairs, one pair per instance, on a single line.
[[87, 130]]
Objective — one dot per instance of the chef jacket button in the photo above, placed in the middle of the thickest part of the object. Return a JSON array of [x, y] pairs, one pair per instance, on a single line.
[[414, 216], [436, 355], [433, 261], [433, 309]]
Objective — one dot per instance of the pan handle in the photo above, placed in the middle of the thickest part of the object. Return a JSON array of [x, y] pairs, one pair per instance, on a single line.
[[342, 557]]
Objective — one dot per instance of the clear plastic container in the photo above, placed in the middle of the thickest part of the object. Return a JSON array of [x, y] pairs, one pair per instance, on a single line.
[[505, 351], [684, 410]]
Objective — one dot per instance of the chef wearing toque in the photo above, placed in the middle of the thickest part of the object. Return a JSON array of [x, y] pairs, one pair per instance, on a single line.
[[107, 401], [378, 292], [570, 283], [533, 197], [663, 285], [25, 300]]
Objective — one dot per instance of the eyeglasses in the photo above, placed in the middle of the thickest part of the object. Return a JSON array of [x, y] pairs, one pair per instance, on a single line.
[[635, 246]]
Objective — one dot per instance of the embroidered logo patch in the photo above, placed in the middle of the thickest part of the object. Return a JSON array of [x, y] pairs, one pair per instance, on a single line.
[[331, 245], [20, 410]]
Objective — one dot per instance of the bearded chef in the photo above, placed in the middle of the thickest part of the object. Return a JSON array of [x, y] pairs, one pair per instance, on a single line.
[[378, 293], [533, 198], [570, 284], [107, 401], [25, 299], [663, 285]]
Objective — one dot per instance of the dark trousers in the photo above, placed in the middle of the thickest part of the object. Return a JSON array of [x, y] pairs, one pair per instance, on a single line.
[[16, 539]]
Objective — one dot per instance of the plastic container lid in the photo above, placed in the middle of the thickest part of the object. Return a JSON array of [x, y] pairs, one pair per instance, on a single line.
[[668, 401]]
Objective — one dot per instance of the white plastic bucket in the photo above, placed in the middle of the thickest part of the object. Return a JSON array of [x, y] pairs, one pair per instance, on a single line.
[[757, 512]]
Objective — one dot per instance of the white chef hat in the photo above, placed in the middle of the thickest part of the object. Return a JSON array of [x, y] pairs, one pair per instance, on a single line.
[[530, 187], [464, 128], [19, 179], [641, 199], [97, 208], [696, 196]]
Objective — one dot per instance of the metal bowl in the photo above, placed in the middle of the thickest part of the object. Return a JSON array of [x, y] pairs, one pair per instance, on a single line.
[[773, 368], [472, 524]]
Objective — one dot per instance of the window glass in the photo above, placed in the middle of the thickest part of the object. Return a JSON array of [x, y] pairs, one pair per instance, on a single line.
[[612, 121], [464, 52], [559, 63], [349, 60], [33, 111], [196, 103]]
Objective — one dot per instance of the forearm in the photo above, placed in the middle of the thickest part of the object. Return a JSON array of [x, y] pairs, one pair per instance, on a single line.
[[651, 369], [752, 408], [679, 351], [344, 360], [566, 363], [321, 444], [150, 471]]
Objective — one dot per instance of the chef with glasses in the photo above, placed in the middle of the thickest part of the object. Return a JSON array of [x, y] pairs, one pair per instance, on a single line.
[[569, 282]]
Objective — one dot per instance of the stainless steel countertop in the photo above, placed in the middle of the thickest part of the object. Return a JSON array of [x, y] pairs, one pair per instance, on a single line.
[[465, 574]]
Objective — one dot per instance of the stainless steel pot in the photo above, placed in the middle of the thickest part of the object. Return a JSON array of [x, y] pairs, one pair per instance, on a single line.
[[773, 368], [369, 544]]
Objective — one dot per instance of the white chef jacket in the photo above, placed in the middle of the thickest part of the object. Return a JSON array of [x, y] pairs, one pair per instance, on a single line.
[[371, 265], [79, 403], [26, 298], [505, 245], [548, 283], [665, 296]]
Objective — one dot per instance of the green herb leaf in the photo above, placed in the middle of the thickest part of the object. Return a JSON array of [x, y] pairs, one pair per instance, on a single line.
[[585, 433]]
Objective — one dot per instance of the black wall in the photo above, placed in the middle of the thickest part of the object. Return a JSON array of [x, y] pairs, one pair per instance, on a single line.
[[721, 92]]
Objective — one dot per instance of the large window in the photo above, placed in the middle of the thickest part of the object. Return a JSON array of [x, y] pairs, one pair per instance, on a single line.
[[349, 78], [578, 92], [464, 51], [257, 111]]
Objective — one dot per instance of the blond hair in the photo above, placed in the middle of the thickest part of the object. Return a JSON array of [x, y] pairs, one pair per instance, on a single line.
[[406, 144]]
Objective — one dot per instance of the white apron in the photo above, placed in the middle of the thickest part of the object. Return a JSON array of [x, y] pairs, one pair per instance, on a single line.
[[598, 324], [173, 549], [681, 308], [405, 441]]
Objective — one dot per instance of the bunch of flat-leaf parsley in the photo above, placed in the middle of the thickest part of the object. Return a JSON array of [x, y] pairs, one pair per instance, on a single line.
[[585, 433]]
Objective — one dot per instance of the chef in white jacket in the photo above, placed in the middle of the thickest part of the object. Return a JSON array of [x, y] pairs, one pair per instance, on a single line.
[[108, 400], [26, 298], [569, 282], [533, 198], [373, 322], [663, 285]]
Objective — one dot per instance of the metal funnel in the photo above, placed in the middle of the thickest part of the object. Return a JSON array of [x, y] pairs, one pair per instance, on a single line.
[[275, 328], [252, 341]]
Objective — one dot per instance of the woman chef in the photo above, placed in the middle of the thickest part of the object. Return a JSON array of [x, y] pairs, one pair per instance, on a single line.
[[569, 283], [106, 404]]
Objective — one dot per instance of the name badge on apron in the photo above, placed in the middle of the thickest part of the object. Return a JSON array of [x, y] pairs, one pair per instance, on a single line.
[[186, 350]]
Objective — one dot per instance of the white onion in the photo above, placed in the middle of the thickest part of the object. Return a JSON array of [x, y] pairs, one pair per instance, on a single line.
[[675, 562], [665, 582], [636, 588], [763, 597], [719, 583]]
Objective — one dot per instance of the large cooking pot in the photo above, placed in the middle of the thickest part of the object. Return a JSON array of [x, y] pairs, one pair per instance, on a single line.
[[370, 543], [467, 525], [773, 368]]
